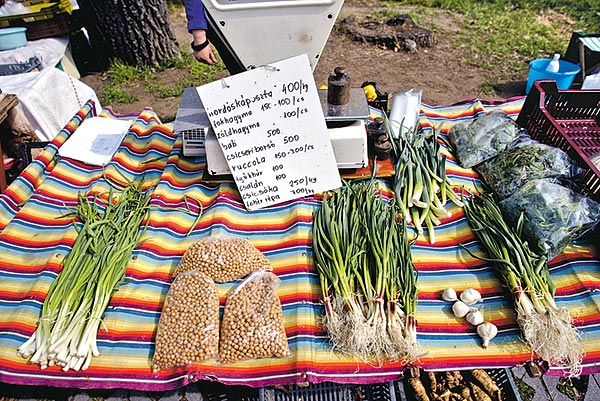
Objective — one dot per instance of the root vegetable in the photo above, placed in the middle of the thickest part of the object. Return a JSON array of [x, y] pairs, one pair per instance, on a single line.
[[432, 382], [488, 384], [223, 258], [464, 392], [458, 376], [478, 393], [418, 389], [447, 395], [452, 380], [188, 329], [252, 325]]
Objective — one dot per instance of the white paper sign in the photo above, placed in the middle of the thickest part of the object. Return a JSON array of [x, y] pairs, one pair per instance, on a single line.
[[96, 140], [270, 125]]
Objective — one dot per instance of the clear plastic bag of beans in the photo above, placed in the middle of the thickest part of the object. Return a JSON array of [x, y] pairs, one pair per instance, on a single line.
[[252, 325], [223, 258], [188, 330]]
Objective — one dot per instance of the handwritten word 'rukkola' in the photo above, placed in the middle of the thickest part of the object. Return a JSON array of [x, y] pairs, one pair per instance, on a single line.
[[242, 101], [249, 164]]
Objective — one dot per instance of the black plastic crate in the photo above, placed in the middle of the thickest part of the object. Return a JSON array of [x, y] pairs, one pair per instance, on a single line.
[[20, 68], [502, 377], [331, 392], [215, 391]]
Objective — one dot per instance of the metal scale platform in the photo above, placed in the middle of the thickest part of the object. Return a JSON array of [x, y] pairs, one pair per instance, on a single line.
[[346, 129]]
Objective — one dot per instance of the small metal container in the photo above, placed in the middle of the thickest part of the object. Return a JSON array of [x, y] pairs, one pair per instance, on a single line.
[[338, 87], [379, 142]]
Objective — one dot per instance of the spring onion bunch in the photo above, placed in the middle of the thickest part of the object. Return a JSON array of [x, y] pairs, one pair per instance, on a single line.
[[547, 329], [91, 272], [420, 182], [368, 280]]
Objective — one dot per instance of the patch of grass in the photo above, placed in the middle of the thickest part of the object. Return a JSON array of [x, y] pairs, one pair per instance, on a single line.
[[584, 13], [505, 39], [114, 94], [387, 12], [200, 75], [497, 34], [121, 76], [574, 388], [206, 73], [525, 391], [181, 61], [120, 73], [509, 33], [488, 88], [164, 90]]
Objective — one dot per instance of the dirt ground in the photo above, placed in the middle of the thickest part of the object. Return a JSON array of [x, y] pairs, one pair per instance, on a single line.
[[438, 71]]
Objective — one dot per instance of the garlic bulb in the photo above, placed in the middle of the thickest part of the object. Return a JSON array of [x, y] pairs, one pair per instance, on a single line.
[[474, 317], [449, 295], [470, 296], [460, 309], [487, 331]]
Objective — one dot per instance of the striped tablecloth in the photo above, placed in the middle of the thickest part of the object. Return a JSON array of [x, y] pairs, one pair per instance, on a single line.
[[35, 237]]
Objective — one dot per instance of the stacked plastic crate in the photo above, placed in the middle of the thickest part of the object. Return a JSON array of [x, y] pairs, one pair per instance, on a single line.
[[47, 18]]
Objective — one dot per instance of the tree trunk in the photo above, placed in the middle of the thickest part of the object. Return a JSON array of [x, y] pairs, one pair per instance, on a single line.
[[138, 32]]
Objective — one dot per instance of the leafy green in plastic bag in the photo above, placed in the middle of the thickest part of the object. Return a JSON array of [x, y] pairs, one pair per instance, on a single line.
[[525, 161], [483, 138], [554, 215]]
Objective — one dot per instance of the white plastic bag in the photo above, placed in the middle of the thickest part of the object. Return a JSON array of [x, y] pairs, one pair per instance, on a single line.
[[405, 111]]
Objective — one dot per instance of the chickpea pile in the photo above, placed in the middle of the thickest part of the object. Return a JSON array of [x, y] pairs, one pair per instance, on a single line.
[[223, 258], [188, 330], [252, 325]]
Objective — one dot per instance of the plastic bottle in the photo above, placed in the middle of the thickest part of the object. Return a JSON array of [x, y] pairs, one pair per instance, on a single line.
[[554, 65]]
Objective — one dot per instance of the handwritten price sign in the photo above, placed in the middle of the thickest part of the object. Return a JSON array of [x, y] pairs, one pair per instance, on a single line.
[[269, 123]]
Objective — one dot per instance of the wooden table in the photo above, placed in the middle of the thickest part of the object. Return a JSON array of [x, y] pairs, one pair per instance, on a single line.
[[7, 102]]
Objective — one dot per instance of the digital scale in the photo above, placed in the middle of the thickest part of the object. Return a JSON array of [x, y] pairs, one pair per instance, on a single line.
[[192, 123], [346, 127]]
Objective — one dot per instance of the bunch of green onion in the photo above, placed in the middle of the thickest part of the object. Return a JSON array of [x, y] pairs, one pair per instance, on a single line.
[[368, 279], [72, 310], [420, 182], [547, 329]]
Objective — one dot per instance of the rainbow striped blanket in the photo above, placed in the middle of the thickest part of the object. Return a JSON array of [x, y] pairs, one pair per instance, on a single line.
[[35, 236]]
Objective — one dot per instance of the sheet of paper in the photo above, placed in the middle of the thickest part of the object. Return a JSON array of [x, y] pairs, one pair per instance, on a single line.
[[96, 140], [270, 125]]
